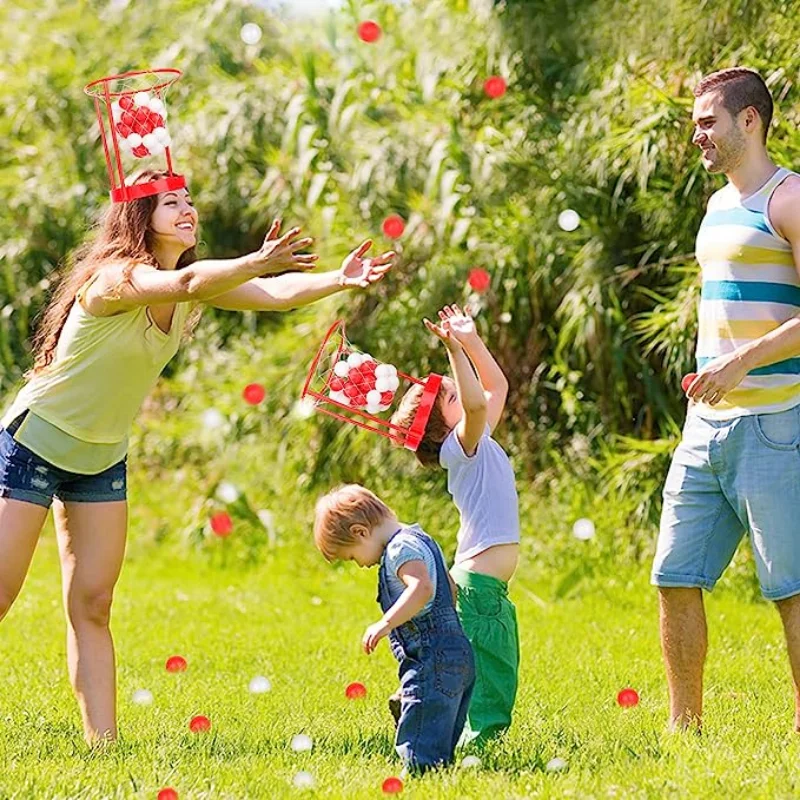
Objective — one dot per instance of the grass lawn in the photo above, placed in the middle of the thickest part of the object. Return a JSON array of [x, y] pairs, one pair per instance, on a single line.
[[298, 622]]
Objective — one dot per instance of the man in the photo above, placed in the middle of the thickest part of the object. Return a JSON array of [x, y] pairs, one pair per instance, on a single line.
[[737, 467]]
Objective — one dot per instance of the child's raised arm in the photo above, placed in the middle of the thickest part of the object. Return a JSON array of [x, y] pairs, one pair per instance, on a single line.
[[418, 591], [470, 392], [492, 378]]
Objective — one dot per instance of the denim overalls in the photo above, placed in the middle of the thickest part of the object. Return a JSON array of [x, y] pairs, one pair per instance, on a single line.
[[437, 672]]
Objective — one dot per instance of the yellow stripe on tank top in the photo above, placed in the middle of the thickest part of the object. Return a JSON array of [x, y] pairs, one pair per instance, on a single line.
[[758, 398], [748, 255], [736, 328]]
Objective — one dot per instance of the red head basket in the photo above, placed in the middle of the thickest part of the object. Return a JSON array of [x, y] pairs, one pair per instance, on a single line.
[[132, 116], [353, 387]]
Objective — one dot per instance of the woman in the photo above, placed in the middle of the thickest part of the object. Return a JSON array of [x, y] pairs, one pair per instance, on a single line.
[[114, 322]]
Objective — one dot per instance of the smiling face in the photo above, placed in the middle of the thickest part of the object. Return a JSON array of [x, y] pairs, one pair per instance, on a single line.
[[722, 138], [174, 221]]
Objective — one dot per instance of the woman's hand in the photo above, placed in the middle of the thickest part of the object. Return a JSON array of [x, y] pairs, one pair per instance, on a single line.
[[718, 378], [460, 323], [279, 254], [357, 271]]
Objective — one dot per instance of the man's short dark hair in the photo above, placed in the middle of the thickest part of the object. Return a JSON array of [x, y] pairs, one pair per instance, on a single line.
[[740, 88]]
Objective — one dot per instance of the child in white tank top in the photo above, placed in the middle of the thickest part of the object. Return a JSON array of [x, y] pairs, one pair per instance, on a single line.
[[481, 481]]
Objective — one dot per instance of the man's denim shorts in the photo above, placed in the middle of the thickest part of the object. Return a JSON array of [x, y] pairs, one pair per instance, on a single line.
[[728, 477], [25, 476]]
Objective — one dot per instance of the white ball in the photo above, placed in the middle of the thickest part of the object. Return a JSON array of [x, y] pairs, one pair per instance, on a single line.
[[304, 408], [341, 369], [161, 134], [382, 370], [583, 529], [141, 99], [383, 384], [355, 360], [373, 408], [373, 397], [227, 492], [367, 357], [301, 743], [316, 601], [116, 111], [142, 697], [340, 397], [568, 220], [556, 764], [250, 33], [505, 317], [156, 105], [392, 369], [212, 419], [166, 140], [470, 762], [394, 382], [156, 149], [134, 140], [303, 780], [123, 145], [259, 685], [148, 140]]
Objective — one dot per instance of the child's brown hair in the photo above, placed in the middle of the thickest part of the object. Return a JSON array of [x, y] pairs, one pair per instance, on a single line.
[[436, 430], [340, 509]]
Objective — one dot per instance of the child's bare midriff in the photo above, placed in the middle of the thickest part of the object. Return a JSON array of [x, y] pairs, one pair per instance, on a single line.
[[499, 561]]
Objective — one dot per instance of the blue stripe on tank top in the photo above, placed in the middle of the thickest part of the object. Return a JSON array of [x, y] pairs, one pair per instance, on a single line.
[[789, 366], [751, 291], [737, 216]]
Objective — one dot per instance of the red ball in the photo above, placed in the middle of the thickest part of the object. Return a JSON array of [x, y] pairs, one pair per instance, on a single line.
[[351, 390], [392, 786], [157, 120], [254, 393], [360, 400], [369, 31], [628, 698], [200, 724], [479, 280], [176, 664], [393, 226], [126, 101], [386, 398], [221, 524], [168, 794], [355, 691], [357, 377], [687, 381], [124, 131], [494, 87], [369, 366], [142, 113], [336, 384], [127, 119], [141, 151]]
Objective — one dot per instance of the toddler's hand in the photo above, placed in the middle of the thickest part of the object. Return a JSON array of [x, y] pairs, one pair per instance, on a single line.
[[460, 322], [445, 333], [373, 635]]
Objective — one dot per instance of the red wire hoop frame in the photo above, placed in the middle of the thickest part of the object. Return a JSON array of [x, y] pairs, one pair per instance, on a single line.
[[99, 90], [409, 437]]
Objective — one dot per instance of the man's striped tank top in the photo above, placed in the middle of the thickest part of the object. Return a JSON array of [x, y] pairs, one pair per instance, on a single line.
[[750, 287]]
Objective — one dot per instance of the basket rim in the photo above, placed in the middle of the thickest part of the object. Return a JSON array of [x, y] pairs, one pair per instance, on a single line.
[[99, 87]]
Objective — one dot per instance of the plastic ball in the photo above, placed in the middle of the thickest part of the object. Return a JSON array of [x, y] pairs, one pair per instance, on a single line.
[[336, 384], [583, 529], [687, 381], [394, 383], [383, 370], [259, 685], [254, 393], [351, 390], [339, 397], [134, 140], [176, 664], [302, 743], [386, 398], [124, 131], [369, 365], [156, 121], [341, 369], [391, 369], [556, 764], [168, 794], [568, 220], [355, 691], [221, 524], [354, 360], [479, 280], [227, 492], [369, 31], [373, 397], [374, 408], [392, 786], [142, 697], [116, 111], [393, 226], [126, 102], [200, 724], [628, 698], [212, 419], [141, 99], [141, 151], [156, 149], [250, 33], [148, 140], [384, 384], [494, 87], [470, 762], [156, 105]]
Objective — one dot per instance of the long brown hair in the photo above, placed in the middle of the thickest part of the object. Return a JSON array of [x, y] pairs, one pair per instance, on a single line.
[[123, 236]]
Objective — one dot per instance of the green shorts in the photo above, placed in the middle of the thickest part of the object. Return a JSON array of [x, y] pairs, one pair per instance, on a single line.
[[489, 620]]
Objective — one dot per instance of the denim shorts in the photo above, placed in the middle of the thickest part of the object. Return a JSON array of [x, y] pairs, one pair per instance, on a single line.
[[728, 477], [25, 476]]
